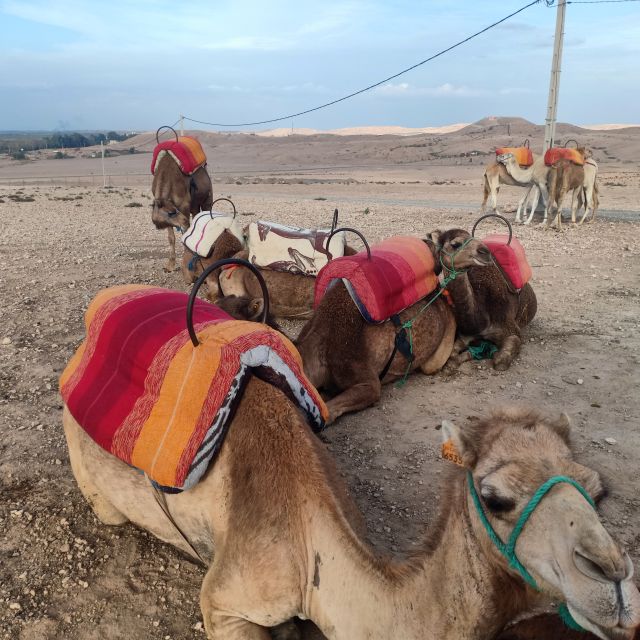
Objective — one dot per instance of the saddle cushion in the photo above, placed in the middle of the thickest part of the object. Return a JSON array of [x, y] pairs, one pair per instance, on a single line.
[[186, 151], [522, 155], [554, 154], [145, 394], [205, 229], [400, 273], [302, 251], [511, 258]]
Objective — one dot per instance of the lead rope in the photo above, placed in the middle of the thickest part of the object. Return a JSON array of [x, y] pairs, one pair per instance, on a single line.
[[508, 550], [408, 325]]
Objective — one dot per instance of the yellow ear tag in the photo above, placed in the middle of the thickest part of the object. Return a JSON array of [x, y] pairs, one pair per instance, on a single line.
[[449, 452]]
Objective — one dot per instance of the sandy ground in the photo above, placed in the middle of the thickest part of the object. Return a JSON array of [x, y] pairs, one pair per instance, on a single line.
[[64, 575]]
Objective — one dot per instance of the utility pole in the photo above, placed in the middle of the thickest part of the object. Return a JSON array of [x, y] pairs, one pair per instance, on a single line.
[[181, 125], [104, 177], [554, 84]]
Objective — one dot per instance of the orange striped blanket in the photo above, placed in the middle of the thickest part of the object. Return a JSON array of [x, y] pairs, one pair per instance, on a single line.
[[144, 393], [522, 155], [186, 151], [554, 154]]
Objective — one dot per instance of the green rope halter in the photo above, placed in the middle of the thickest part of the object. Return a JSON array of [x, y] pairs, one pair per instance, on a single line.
[[453, 274], [508, 550]]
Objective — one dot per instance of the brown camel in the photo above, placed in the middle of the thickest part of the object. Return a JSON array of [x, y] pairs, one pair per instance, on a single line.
[[342, 352], [176, 197], [485, 304], [273, 522], [564, 177]]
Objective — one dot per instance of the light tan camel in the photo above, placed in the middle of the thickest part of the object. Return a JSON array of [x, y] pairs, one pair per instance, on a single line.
[[176, 198], [534, 177], [513, 175], [564, 177], [588, 195], [342, 352], [281, 538]]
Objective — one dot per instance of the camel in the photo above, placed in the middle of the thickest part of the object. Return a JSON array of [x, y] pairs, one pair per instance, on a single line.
[[176, 197], [565, 176], [588, 195], [533, 177], [342, 352], [272, 521], [512, 174]]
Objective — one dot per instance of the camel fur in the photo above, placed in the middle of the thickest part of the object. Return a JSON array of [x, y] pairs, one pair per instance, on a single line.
[[564, 177], [177, 197], [588, 195], [485, 304], [280, 537]]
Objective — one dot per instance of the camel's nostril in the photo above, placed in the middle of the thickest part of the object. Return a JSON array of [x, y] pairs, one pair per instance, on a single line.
[[604, 569]]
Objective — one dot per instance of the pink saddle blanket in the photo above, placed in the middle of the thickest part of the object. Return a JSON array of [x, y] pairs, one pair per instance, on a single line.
[[510, 257], [400, 273]]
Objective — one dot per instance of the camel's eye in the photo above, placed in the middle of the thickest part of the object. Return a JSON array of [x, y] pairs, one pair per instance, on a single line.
[[497, 504], [455, 244]]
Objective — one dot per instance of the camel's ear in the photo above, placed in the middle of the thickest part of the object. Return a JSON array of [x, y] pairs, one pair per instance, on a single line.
[[562, 426], [453, 444], [255, 308], [434, 237]]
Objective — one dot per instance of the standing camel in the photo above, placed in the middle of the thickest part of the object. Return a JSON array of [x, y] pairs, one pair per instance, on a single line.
[[588, 195], [281, 538], [535, 177], [176, 197], [513, 175], [564, 176]]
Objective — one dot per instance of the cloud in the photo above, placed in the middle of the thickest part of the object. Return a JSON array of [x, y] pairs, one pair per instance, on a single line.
[[445, 90]]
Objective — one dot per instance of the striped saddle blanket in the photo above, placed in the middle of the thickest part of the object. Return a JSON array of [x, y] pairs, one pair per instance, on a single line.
[[186, 151], [145, 394], [522, 155], [554, 154], [400, 273], [511, 258]]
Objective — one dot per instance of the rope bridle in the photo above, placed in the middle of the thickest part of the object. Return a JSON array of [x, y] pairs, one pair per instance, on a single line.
[[508, 549]]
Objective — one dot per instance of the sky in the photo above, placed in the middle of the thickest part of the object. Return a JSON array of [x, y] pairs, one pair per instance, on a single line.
[[138, 64]]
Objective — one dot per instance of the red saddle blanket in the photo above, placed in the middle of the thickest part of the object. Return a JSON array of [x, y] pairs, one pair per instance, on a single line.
[[554, 154], [400, 273], [186, 151], [510, 257], [145, 394], [523, 155]]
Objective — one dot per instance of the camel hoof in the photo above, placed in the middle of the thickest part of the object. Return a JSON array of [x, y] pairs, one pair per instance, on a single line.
[[169, 268], [286, 631], [501, 363]]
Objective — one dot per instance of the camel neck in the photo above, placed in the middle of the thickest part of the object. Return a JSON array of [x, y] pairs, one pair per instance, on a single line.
[[450, 590], [518, 173]]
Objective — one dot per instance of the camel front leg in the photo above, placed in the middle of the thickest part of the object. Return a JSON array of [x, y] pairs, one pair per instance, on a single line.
[[588, 204], [359, 396], [534, 205], [171, 262], [574, 206], [507, 352]]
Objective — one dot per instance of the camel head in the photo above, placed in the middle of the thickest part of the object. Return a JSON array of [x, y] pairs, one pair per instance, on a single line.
[[457, 248], [505, 158], [170, 212], [562, 548]]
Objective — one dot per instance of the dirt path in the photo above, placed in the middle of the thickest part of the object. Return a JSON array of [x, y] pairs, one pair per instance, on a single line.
[[63, 575]]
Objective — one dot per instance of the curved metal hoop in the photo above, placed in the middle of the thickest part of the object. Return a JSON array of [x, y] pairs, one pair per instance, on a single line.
[[225, 200], [493, 215], [165, 127], [203, 277], [566, 144], [334, 224], [526, 143], [364, 240]]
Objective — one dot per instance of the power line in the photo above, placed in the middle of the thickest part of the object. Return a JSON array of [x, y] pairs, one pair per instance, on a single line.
[[152, 137], [377, 84]]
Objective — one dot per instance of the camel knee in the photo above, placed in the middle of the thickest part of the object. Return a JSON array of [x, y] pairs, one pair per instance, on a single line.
[[357, 397], [508, 351]]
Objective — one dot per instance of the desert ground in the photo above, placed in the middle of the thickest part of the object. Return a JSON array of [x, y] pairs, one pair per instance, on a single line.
[[64, 575]]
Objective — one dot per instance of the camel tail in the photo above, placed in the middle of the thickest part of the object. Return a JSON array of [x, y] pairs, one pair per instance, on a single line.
[[486, 190]]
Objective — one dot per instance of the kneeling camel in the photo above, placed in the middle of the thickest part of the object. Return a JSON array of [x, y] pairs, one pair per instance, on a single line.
[[282, 539]]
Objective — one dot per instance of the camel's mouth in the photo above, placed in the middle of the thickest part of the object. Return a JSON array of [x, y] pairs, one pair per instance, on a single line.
[[482, 263], [606, 633]]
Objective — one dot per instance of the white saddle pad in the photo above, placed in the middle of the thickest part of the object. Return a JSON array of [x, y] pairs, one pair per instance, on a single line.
[[302, 251], [206, 228]]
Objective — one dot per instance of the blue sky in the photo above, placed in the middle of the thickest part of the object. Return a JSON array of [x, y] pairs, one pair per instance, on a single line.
[[79, 64]]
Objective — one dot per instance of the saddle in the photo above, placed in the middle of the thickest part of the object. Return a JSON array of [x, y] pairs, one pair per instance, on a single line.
[[186, 151], [291, 249], [143, 392], [206, 228], [510, 257], [522, 155], [399, 273], [554, 154]]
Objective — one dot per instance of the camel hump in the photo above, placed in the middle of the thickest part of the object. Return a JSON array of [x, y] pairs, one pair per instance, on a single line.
[[555, 154], [206, 228], [511, 258], [522, 155], [186, 151]]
